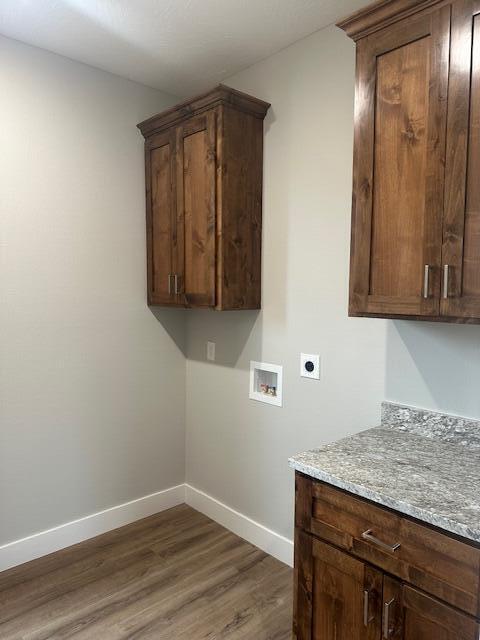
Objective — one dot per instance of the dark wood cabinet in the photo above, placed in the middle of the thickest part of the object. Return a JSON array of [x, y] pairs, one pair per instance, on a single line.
[[161, 216], [344, 595], [415, 249], [204, 162], [461, 236], [364, 572], [195, 153], [409, 614]]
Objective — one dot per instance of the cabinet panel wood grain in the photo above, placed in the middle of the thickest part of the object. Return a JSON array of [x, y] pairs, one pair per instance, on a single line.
[[434, 596], [161, 219], [302, 605], [196, 208], [412, 615], [461, 240], [400, 122], [346, 596], [416, 199], [401, 118], [337, 596], [471, 255], [428, 559], [204, 164], [240, 230]]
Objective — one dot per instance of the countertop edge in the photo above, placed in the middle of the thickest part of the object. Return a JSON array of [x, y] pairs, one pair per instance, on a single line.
[[402, 507]]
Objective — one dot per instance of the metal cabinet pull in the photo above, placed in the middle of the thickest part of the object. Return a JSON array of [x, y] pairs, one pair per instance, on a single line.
[[386, 618], [368, 535], [446, 274], [426, 281], [175, 278], [366, 607]]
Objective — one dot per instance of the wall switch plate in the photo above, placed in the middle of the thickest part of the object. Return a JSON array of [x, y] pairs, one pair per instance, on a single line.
[[310, 366], [211, 351]]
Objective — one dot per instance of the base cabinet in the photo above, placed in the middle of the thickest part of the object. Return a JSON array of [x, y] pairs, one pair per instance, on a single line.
[[411, 615], [341, 596]]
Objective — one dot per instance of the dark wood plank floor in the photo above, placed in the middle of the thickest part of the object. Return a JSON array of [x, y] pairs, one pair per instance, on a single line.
[[176, 575]]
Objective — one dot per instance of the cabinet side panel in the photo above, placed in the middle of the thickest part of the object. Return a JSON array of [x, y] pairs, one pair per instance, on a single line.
[[240, 225], [303, 501], [302, 609]]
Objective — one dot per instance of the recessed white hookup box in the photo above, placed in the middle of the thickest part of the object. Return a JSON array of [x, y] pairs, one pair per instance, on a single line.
[[266, 382]]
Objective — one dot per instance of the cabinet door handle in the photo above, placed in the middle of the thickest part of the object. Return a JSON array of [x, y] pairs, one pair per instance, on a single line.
[[366, 607], [386, 618], [446, 277], [426, 281], [175, 279], [368, 535]]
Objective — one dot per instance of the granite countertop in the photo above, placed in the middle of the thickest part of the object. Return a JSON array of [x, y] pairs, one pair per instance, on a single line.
[[421, 463]]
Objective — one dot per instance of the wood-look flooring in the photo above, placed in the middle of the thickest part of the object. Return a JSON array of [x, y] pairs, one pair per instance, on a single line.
[[175, 575]]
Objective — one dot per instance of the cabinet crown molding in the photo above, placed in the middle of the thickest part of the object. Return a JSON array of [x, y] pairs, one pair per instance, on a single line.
[[380, 14], [220, 95]]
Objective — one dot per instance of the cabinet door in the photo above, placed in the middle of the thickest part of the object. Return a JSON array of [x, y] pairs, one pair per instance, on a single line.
[[400, 121], [337, 597], [196, 182], [161, 218], [461, 246], [411, 615]]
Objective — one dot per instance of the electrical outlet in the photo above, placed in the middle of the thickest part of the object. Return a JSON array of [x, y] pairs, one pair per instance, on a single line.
[[310, 366], [211, 351]]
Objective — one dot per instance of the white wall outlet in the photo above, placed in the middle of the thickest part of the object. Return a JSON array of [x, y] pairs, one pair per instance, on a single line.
[[310, 366], [211, 351]]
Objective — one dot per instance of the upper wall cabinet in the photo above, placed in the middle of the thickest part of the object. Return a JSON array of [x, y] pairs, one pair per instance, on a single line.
[[204, 161], [415, 249]]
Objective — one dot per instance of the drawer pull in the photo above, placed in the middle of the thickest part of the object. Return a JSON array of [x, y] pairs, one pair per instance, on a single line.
[[368, 535]]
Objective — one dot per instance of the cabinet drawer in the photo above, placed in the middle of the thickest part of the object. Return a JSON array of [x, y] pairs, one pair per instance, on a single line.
[[422, 556]]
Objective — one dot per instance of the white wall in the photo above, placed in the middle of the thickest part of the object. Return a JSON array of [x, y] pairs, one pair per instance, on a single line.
[[237, 449], [435, 366], [91, 383], [92, 402]]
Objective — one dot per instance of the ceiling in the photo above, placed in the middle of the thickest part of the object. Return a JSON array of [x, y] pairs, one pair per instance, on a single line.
[[178, 46]]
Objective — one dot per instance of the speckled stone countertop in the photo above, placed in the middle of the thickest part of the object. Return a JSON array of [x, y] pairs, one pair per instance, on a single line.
[[421, 463]]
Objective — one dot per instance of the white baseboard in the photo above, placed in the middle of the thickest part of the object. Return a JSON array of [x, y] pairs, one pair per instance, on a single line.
[[45, 542], [65, 535], [266, 539]]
